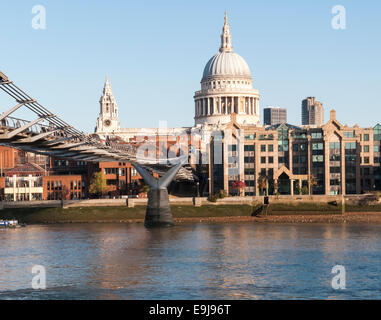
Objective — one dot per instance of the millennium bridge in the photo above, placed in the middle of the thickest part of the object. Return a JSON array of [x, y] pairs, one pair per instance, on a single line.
[[43, 132]]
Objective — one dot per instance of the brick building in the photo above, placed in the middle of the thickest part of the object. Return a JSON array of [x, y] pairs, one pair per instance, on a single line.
[[27, 176]]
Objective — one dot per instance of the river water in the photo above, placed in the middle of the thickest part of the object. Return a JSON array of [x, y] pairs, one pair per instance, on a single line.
[[191, 261]]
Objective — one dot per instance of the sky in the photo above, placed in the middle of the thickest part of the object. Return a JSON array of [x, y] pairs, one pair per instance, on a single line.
[[154, 53]]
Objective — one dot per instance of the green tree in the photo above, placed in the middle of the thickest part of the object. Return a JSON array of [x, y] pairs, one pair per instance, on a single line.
[[297, 187], [262, 183], [145, 188], [98, 184], [304, 190], [313, 182]]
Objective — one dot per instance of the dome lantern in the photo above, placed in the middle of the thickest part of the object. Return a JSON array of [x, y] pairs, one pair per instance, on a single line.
[[226, 38]]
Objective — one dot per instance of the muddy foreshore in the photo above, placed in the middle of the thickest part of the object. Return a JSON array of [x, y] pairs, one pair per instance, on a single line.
[[206, 214], [353, 218]]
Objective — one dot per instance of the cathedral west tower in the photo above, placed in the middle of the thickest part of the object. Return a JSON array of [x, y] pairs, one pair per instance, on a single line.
[[107, 121]]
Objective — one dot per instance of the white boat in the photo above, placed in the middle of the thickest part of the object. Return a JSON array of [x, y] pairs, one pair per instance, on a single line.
[[9, 223]]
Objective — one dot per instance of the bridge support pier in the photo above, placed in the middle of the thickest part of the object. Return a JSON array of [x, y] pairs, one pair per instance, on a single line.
[[158, 213]]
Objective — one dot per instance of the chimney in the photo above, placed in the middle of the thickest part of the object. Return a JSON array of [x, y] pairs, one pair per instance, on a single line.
[[333, 114]]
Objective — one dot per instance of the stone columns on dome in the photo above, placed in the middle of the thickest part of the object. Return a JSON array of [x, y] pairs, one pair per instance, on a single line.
[[226, 105]]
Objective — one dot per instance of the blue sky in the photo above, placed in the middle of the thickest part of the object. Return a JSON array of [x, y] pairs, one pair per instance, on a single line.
[[154, 53]]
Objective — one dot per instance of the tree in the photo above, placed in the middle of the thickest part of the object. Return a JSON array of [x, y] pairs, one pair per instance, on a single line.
[[274, 185], [65, 193], [262, 183], [98, 184], [313, 182], [238, 185], [145, 188], [298, 187], [304, 190]]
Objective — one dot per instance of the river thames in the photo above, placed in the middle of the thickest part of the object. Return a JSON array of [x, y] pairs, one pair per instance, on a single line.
[[191, 261]]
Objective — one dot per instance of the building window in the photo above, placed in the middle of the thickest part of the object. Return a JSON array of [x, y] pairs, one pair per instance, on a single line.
[[263, 159], [270, 148], [317, 158], [317, 146], [366, 148], [295, 147], [316, 135], [350, 145], [248, 159], [334, 145], [377, 133], [366, 137], [334, 170], [366, 159], [250, 137], [349, 134], [271, 159], [263, 148]]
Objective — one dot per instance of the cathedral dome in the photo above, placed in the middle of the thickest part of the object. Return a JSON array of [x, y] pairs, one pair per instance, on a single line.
[[227, 92], [226, 64]]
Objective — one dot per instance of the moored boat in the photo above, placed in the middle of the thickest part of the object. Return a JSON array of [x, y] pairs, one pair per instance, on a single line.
[[9, 223]]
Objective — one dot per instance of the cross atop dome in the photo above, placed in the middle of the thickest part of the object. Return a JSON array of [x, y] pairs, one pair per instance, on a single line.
[[226, 38]]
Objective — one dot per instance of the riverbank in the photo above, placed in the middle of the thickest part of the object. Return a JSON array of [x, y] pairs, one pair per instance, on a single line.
[[351, 217], [279, 213]]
